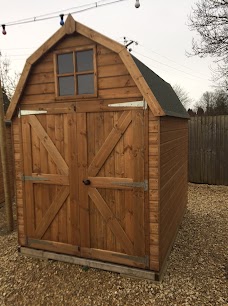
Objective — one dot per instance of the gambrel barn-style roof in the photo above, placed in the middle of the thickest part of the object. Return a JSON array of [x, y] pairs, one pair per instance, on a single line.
[[161, 98]]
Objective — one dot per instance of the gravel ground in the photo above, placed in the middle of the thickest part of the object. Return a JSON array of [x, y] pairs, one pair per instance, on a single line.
[[197, 268]]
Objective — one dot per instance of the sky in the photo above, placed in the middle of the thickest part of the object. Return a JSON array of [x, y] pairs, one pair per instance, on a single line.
[[159, 27]]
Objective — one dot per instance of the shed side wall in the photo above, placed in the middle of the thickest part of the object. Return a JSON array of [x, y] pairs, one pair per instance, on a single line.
[[173, 179], [154, 164], [10, 165]]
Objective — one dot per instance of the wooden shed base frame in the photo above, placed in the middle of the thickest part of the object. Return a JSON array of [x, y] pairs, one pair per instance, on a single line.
[[122, 270]]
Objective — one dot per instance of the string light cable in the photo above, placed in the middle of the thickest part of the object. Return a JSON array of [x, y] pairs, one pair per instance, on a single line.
[[57, 14]]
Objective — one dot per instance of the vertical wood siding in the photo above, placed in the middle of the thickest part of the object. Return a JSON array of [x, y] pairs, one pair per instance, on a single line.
[[10, 164], [208, 150], [173, 179], [114, 85], [115, 213], [165, 151]]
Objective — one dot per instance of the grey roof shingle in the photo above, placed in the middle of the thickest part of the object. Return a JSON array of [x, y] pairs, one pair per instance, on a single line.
[[163, 92]]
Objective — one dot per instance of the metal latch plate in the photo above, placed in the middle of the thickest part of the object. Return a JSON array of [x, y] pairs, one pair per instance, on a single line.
[[143, 185], [142, 104], [31, 112], [33, 178]]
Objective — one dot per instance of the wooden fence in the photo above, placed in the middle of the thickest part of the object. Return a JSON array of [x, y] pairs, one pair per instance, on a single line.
[[10, 161], [208, 150]]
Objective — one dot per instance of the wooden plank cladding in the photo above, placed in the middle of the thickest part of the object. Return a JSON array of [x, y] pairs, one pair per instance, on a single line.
[[101, 170], [72, 41], [173, 180], [18, 167], [154, 169], [51, 196], [45, 79], [40, 88], [107, 58], [112, 70], [10, 164], [114, 80]]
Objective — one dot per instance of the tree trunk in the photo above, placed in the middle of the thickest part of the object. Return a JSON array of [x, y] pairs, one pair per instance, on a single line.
[[5, 169]]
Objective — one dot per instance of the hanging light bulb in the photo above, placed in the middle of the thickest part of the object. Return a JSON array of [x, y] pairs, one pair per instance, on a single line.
[[137, 4], [3, 29], [61, 19]]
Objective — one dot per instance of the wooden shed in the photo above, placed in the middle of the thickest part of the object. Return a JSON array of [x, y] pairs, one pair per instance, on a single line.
[[9, 164], [100, 146]]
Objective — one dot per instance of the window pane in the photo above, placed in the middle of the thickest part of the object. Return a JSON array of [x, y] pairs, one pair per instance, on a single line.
[[66, 86], [65, 63], [84, 60], [85, 84]]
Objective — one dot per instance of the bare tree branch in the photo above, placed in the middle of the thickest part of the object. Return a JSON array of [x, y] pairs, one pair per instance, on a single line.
[[8, 77], [209, 19], [213, 103], [182, 95]]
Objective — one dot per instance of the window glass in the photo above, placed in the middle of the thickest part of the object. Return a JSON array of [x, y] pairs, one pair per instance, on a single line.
[[84, 60], [65, 63], [66, 86], [85, 84]]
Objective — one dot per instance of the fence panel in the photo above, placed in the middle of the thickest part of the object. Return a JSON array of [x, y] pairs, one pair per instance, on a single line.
[[208, 150]]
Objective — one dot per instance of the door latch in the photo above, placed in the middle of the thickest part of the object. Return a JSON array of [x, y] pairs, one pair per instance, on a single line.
[[86, 182]]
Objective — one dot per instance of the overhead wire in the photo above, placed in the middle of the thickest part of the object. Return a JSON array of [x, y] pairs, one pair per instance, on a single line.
[[48, 16], [87, 7], [195, 76], [167, 58], [15, 55], [52, 15], [160, 69], [6, 49]]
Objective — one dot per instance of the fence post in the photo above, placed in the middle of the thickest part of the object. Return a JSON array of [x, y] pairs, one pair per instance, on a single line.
[[5, 170]]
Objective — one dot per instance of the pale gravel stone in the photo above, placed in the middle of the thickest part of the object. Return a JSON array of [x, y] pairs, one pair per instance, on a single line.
[[196, 275]]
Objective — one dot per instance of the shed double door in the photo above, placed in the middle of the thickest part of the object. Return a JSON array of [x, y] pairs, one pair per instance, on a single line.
[[84, 184]]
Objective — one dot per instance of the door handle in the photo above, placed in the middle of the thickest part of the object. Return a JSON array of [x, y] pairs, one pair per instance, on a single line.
[[86, 182]]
